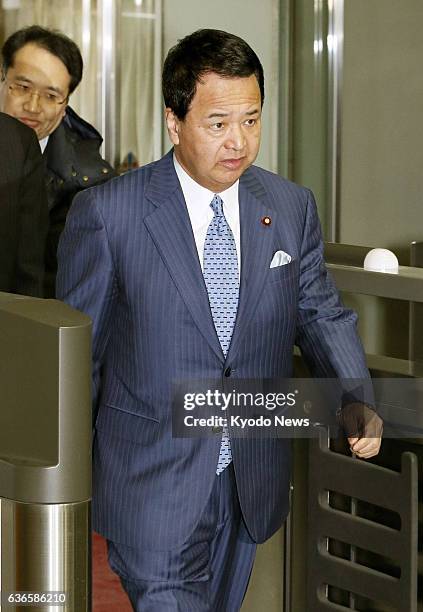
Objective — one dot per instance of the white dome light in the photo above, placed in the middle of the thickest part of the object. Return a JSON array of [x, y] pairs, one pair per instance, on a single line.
[[381, 260]]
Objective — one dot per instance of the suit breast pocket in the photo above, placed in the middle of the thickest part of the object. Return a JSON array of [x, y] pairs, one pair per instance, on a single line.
[[118, 423], [283, 273]]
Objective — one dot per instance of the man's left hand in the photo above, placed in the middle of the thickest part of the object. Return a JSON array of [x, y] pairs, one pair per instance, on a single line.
[[363, 428]]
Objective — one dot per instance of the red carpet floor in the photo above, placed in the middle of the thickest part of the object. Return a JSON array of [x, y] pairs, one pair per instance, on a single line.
[[108, 595]]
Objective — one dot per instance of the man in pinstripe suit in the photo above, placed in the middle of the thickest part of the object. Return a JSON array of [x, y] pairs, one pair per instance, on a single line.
[[181, 536]]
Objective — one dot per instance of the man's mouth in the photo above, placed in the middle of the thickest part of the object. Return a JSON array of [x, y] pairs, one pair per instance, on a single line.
[[232, 164]]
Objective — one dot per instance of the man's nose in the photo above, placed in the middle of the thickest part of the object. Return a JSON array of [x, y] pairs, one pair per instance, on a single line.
[[32, 104], [235, 138]]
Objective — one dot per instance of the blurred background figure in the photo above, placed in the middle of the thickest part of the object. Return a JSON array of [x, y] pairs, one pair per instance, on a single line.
[[23, 210], [40, 70]]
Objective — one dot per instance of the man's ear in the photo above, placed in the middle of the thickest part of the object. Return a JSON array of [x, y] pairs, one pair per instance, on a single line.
[[172, 123], [3, 90]]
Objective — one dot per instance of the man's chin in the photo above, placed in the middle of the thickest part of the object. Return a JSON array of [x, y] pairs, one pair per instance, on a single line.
[[39, 133], [34, 125]]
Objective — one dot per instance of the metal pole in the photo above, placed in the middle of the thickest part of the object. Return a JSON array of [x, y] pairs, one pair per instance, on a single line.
[[335, 42]]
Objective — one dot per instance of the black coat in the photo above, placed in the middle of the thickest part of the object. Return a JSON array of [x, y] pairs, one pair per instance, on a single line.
[[73, 163], [23, 209]]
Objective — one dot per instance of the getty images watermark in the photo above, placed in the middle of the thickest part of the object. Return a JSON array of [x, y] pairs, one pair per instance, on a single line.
[[289, 408], [228, 402], [247, 408]]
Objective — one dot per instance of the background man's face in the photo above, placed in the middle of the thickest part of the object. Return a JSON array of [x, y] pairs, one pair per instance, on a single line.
[[44, 73], [220, 135]]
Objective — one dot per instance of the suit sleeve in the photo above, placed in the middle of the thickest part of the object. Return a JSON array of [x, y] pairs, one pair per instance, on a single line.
[[326, 330], [86, 278], [33, 223]]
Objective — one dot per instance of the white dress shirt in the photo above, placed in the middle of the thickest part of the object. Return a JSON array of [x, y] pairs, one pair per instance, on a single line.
[[198, 201], [43, 143]]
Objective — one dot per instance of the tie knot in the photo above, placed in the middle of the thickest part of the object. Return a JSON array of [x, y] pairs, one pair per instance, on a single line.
[[217, 206]]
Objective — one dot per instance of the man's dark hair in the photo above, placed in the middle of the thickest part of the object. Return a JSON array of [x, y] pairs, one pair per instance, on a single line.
[[200, 53], [51, 40]]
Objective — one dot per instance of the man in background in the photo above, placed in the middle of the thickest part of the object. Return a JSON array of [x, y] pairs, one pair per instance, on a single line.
[[23, 210], [40, 70]]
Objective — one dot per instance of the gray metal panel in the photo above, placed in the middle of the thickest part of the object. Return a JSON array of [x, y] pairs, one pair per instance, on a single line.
[[406, 285], [416, 310], [345, 254], [45, 401], [416, 254]]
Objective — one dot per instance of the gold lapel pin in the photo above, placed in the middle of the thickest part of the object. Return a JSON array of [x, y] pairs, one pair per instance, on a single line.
[[266, 221]]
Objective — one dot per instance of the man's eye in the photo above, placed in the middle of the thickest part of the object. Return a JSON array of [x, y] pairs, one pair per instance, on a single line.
[[217, 126], [251, 122], [51, 97], [23, 88]]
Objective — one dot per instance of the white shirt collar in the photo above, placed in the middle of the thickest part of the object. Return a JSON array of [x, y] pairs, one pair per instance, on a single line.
[[198, 198], [43, 143]]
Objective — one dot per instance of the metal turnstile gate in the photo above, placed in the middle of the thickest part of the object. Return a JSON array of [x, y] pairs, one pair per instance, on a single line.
[[45, 456]]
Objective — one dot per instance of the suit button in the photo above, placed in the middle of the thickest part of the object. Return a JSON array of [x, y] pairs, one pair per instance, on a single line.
[[228, 372], [217, 430]]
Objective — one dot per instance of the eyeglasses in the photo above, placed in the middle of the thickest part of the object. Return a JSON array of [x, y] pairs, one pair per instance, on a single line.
[[24, 92]]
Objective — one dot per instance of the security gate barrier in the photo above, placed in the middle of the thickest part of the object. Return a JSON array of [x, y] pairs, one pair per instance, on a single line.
[[45, 456]]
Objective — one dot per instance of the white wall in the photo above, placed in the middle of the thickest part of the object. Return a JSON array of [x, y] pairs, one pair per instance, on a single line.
[[256, 22], [382, 133], [382, 153]]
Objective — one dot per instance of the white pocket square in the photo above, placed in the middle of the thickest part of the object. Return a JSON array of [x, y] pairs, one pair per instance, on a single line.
[[280, 258]]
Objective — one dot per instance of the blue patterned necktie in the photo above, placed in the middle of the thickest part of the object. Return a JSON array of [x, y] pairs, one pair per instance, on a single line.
[[220, 270]]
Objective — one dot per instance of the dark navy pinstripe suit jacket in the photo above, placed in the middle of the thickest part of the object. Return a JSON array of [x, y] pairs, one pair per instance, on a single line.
[[128, 259]]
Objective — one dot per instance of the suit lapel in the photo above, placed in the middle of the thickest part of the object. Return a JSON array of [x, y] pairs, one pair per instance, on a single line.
[[170, 228], [256, 250]]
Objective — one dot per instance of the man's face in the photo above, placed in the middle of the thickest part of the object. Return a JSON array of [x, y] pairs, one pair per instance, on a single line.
[[36, 89], [220, 135]]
